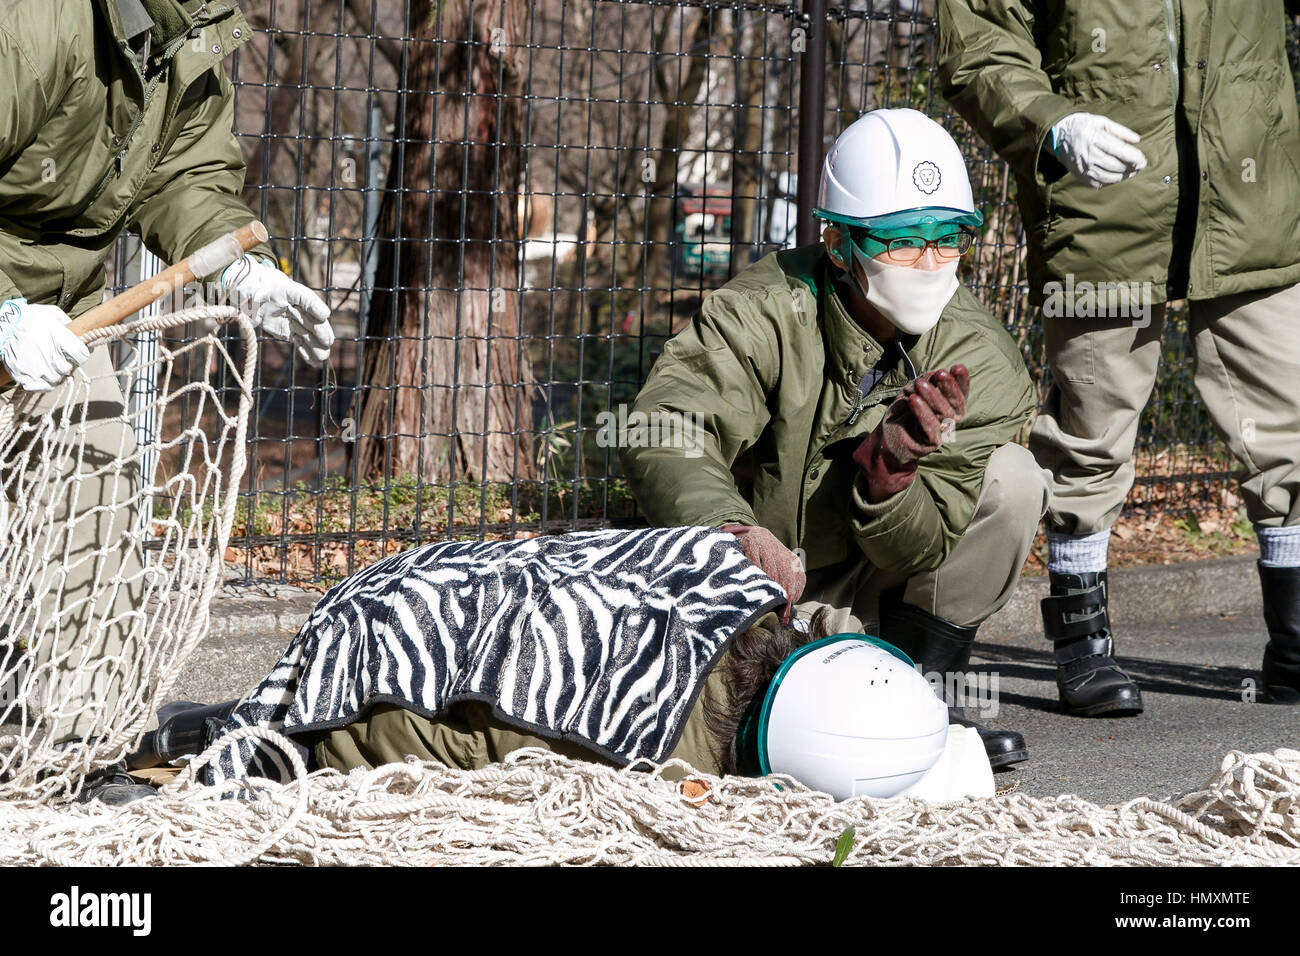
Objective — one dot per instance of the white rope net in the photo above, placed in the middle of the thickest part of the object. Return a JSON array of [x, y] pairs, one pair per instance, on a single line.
[[540, 808], [110, 549], [75, 549]]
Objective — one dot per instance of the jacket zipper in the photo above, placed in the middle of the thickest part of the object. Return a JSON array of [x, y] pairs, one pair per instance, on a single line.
[[118, 160], [1171, 37], [861, 403]]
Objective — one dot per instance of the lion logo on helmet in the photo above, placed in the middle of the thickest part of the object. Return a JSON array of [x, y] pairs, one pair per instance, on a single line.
[[925, 176]]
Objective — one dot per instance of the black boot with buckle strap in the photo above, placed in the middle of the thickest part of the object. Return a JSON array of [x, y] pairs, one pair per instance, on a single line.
[[941, 647], [1281, 676], [1076, 621]]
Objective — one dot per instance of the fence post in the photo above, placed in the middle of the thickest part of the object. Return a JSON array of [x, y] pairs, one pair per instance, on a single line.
[[812, 117], [142, 387], [370, 221]]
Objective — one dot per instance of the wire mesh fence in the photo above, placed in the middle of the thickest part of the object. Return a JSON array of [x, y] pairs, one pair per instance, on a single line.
[[510, 207]]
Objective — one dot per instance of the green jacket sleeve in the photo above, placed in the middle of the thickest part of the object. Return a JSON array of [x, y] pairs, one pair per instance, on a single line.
[[915, 530], [991, 72], [714, 375], [25, 99], [192, 196], [8, 288]]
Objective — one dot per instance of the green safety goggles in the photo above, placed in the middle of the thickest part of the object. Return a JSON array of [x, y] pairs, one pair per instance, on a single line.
[[907, 244], [905, 235]]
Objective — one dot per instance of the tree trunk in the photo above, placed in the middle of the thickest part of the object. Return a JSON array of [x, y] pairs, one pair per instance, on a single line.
[[446, 389]]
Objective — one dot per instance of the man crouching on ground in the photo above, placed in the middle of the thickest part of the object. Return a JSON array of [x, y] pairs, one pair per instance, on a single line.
[[858, 412]]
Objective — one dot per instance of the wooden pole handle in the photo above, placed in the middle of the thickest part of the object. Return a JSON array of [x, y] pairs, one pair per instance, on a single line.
[[200, 264]]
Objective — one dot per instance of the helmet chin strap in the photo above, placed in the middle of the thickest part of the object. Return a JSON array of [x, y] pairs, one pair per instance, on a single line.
[[846, 265]]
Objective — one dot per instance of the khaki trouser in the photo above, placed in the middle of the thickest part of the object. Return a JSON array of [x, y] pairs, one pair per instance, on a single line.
[[1247, 350], [84, 618], [980, 573], [468, 735]]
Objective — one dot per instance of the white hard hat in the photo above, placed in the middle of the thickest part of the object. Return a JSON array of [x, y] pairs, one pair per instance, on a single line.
[[847, 715], [894, 168]]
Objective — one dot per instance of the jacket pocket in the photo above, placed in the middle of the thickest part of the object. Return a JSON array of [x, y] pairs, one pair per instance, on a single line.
[[1285, 125], [1069, 351], [1253, 155]]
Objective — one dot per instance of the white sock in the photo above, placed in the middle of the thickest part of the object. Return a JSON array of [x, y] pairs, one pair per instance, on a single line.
[[1077, 553], [1279, 547]]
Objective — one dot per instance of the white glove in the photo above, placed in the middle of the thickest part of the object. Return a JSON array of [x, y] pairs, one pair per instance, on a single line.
[[284, 309], [36, 346], [1099, 151]]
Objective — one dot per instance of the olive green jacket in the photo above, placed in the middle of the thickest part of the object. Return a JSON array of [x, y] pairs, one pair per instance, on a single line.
[[1211, 81], [89, 147], [766, 380]]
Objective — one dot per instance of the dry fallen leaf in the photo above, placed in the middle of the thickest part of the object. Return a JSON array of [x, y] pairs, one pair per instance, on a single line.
[[696, 792], [158, 776]]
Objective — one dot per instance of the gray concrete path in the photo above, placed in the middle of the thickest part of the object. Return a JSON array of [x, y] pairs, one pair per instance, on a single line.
[[1191, 674]]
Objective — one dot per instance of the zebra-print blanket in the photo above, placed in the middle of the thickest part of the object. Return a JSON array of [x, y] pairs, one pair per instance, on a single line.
[[601, 637]]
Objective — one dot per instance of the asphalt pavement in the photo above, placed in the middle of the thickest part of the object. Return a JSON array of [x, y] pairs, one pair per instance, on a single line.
[[1195, 677]]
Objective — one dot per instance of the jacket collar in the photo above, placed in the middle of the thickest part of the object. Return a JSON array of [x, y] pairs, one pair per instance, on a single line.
[[132, 19], [850, 352], [168, 18]]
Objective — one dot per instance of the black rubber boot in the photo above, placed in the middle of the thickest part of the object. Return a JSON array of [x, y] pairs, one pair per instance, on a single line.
[[941, 647], [113, 787], [183, 728], [1281, 676], [1076, 621], [110, 785]]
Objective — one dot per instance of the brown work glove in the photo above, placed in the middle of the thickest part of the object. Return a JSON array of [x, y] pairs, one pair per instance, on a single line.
[[773, 558], [917, 423]]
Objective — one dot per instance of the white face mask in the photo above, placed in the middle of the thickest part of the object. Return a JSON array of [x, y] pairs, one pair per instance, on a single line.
[[911, 299]]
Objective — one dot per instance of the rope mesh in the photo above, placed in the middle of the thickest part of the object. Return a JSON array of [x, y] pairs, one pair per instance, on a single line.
[[537, 807], [106, 571]]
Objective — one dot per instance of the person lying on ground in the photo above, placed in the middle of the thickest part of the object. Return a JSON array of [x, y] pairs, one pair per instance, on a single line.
[[621, 647]]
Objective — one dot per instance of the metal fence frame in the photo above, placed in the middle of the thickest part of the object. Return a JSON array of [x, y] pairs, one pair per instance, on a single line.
[[340, 76]]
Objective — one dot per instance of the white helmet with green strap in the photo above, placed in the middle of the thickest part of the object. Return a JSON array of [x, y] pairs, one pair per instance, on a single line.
[[847, 715], [895, 168]]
